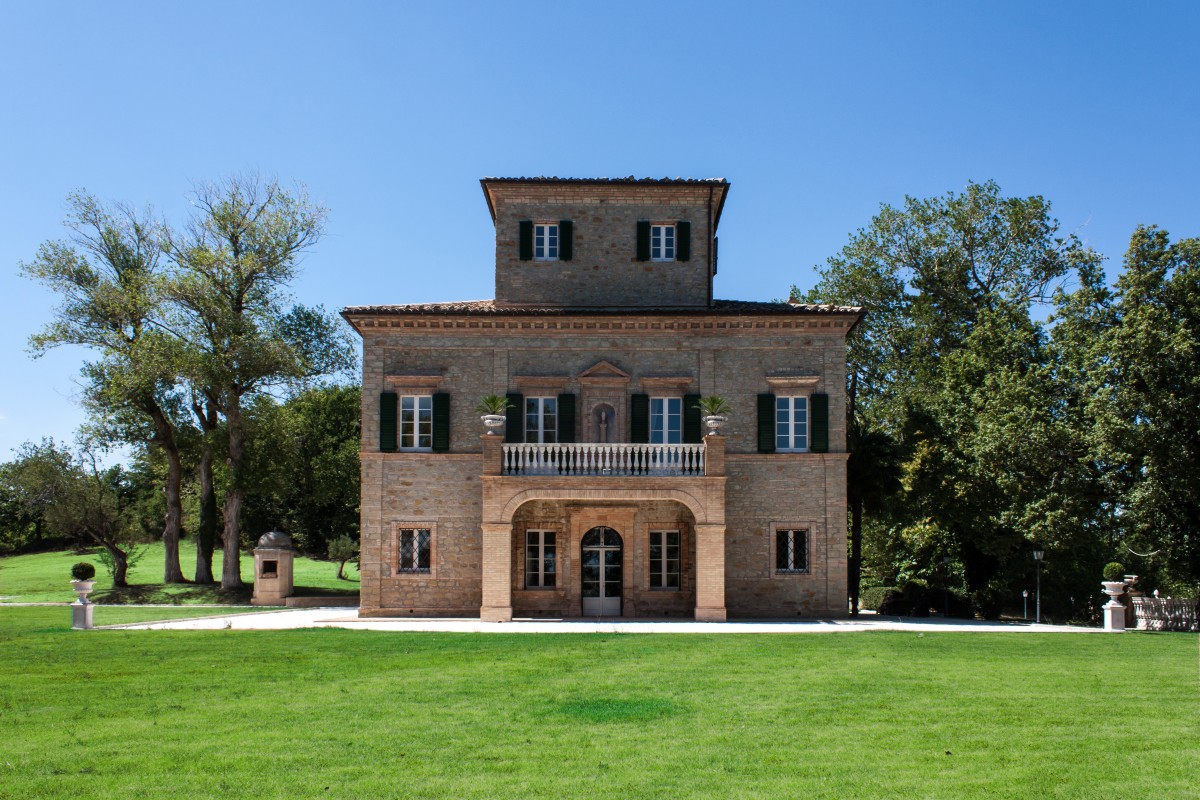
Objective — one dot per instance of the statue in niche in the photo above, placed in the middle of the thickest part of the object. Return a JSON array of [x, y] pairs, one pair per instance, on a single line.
[[603, 424]]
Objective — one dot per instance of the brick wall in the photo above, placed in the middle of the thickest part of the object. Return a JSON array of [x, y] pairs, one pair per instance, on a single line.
[[604, 270]]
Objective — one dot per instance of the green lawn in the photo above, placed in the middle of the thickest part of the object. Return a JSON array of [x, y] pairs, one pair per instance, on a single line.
[[362, 714], [46, 578]]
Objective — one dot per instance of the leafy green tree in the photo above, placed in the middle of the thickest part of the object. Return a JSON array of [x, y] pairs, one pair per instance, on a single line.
[[949, 364], [341, 550], [107, 276], [235, 261], [29, 486], [1149, 402], [304, 454]]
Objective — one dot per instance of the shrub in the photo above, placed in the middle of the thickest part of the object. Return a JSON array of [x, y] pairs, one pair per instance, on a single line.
[[83, 571], [872, 598], [492, 404], [1114, 571]]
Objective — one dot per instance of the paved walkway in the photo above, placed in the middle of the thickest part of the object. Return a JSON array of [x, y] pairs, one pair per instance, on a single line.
[[341, 618]]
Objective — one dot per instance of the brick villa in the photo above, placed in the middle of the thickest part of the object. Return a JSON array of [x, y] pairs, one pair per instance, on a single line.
[[604, 495]]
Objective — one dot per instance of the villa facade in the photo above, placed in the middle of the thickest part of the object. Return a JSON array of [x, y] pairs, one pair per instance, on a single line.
[[604, 495]]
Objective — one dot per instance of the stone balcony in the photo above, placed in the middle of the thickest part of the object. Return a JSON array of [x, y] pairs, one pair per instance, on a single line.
[[603, 461]]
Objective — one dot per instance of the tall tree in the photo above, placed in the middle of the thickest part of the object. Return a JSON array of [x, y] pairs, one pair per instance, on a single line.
[[1150, 406], [107, 275], [949, 364], [235, 260]]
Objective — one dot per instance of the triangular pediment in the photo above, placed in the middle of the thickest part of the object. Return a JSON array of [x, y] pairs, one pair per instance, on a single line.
[[604, 369]]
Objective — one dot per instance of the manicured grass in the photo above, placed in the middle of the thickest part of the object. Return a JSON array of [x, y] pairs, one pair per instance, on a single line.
[[45, 578], [335, 713], [123, 615]]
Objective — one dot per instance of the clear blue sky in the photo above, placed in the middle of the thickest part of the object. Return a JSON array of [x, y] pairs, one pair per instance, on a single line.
[[391, 112]]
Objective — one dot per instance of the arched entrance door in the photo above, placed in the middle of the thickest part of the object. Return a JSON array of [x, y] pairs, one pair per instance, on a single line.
[[601, 573]]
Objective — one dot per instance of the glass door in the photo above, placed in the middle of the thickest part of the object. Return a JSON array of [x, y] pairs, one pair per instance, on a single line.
[[601, 573]]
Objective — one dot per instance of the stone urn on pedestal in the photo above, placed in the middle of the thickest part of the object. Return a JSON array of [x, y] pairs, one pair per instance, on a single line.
[[1114, 587], [715, 412], [82, 584], [492, 409]]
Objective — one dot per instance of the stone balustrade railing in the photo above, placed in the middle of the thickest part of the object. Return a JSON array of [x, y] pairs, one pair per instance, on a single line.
[[603, 459]]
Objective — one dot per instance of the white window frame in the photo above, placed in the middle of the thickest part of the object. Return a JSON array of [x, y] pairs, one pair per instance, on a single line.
[[663, 574], [536, 541], [537, 433], [663, 242], [787, 439], [414, 532], [412, 431], [546, 241], [790, 556], [665, 433]]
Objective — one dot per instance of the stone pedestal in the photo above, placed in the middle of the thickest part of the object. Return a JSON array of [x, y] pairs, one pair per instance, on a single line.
[[1114, 616], [81, 616], [273, 569]]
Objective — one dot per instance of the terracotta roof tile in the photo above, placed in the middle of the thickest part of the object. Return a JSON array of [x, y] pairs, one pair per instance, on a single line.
[[489, 308]]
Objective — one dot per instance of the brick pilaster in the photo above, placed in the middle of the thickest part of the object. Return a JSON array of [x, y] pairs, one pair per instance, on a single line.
[[497, 572], [710, 573]]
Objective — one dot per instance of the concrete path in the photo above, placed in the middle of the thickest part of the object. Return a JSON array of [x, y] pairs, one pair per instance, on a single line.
[[342, 618]]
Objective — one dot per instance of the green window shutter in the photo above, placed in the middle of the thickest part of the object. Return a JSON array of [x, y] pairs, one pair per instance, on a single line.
[[818, 406], [387, 422], [441, 422], [566, 418], [766, 423], [514, 419], [639, 418], [691, 419], [643, 241], [525, 239], [566, 240], [683, 240]]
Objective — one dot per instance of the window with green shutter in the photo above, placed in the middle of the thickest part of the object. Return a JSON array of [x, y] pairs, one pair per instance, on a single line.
[[566, 240], [441, 422], [387, 422], [766, 423], [692, 433], [514, 418], [643, 241], [639, 418], [683, 240], [566, 418], [525, 239], [820, 423]]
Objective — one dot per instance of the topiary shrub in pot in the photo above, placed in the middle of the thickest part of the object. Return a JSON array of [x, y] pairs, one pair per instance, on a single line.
[[1114, 571], [81, 580]]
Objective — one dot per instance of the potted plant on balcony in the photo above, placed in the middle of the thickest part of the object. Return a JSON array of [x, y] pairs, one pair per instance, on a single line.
[[81, 580], [491, 409], [715, 410]]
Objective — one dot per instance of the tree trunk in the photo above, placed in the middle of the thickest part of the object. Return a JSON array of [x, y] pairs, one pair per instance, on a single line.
[[120, 566], [164, 437], [231, 567], [206, 534], [856, 509]]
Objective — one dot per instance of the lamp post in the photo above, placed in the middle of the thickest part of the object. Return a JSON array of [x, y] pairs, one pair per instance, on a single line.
[[1037, 556], [946, 587], [1024, 604]]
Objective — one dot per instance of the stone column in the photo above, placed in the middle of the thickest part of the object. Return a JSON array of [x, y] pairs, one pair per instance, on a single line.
[[497, 573], [710, 573]]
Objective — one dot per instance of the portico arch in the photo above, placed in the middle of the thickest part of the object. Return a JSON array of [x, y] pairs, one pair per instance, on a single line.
[[699, 509]]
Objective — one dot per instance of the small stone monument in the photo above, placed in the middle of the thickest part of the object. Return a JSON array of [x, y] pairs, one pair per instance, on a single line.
[[273, 569]]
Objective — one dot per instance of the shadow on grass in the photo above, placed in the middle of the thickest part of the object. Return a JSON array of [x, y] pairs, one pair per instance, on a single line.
[[191, 594]]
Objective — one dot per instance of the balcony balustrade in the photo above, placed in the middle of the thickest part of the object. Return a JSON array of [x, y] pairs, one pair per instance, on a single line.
[[603, 459]]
